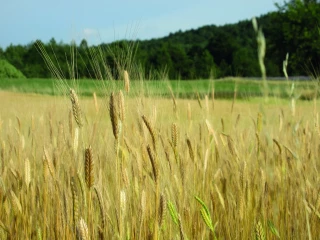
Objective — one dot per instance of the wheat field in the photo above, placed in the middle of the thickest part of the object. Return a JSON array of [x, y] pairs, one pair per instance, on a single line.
[[133, 167]]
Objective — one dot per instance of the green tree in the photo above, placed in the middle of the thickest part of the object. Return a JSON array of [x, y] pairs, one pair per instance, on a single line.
[[14, 55], [245, 62], [180, 62], [1, 53], [9, 71], [202, 62], [83, 60], [301, 34], [221, 46], [34, 65], [159, 59], [83, 45]]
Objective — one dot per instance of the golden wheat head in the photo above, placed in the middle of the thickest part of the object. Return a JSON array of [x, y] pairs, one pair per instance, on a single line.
[[89, 175], [126, 81], [113, 115], [76, 107]]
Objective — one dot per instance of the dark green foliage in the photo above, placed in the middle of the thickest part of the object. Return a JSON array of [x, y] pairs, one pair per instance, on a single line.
[[302, 35], [1, 53], [242, 58], [206, 52]]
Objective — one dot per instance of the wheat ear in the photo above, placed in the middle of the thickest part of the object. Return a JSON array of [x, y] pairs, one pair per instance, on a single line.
[[16, 205], [49, 162], [259, 232], [89, 175], [75, 201], [191, 153], [27, 172], [101, 207], [76, 107], [182, 237], [126, 81], [154, 164], [162, 209], [174, 135], [113, 116], [151, 131], [155, 170], [173, 100], [89, 179], [83, 230]]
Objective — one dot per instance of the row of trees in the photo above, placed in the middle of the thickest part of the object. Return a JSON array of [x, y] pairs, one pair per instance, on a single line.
[[210, 51]]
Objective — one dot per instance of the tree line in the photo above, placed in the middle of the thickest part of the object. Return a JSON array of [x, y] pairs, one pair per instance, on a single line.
[[209, 51]]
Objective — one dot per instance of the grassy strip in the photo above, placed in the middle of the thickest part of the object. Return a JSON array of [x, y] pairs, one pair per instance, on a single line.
[[224, 88]]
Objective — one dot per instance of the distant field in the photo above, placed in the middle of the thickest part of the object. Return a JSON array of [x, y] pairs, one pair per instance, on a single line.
[[223, 88]]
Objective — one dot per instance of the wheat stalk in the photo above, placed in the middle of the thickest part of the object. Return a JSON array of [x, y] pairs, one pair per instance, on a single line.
[[2, 155], [173, 100], [261, 54], [212, 96], [70, 123], [122, 113], [143, 210], [4, 231], [27, 174], [143, 202], [241, 205], [76, 140], [123, 203], [82, 187], [212, 132], [220, 197], [75, 201], [259, 122], [155, 170], [199, 100], [189, 112], [207, 103], [101, 207], [96, 105]]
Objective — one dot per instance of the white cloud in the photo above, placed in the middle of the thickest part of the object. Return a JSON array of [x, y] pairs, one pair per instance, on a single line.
[[89, 32]]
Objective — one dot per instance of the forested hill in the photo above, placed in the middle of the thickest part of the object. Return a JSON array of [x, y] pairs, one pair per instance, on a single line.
[[209, 51]]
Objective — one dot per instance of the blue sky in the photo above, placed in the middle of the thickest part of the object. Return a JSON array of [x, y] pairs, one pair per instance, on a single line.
[[97, 21]]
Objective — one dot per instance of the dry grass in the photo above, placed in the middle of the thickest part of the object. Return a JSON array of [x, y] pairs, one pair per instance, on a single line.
[[211, 173]]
